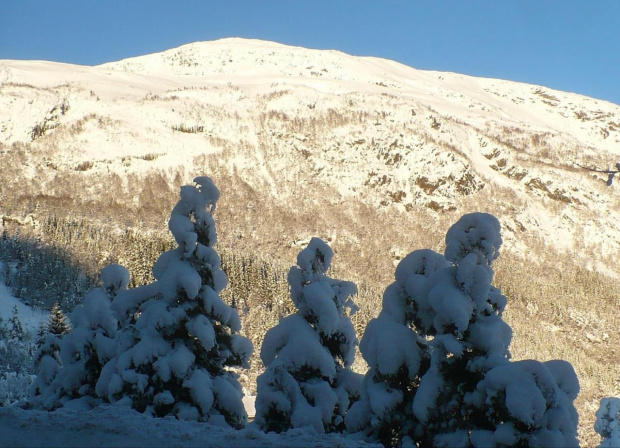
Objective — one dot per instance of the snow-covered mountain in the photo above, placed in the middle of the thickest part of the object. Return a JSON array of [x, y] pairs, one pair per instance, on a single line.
[[317, 133], [375, 157]]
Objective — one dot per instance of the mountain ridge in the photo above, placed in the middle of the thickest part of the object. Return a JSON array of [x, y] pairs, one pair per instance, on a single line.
[[364, 129]]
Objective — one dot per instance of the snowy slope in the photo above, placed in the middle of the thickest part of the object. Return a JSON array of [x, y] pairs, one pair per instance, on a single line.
[[30, 318], [281, 120]]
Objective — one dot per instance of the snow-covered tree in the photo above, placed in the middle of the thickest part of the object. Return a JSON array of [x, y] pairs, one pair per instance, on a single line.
[[608, 422], [69, 366], [47, 366], [467, 398], [186, 340], [397, 357], [308, 380], [522, 403], [15, 327], [3, 330], [17, 347], [450, 382], [459, 311]]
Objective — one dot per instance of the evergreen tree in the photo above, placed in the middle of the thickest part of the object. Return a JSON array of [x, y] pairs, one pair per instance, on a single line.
[[397, 358], [449, 380], [522, 403], [16, 352], [70, 365], [308, 354], [4, 331], [460, 310], [41, 334], [608, 422], [57, 323], [15, 328], [472, 394], [181, 339], [47, 366]]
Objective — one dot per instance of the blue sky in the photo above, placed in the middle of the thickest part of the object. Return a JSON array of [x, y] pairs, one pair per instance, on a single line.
[[571, 45]]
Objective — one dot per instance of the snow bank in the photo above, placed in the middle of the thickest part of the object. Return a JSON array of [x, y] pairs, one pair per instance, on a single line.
[[113, 426], [30, 318]]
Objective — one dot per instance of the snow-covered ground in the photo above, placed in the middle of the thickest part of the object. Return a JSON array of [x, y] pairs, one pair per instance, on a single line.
[[30, 318], [118, 426]]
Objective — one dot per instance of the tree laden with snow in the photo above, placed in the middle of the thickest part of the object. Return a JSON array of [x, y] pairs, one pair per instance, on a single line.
[[48, 365], [449, 381], [308, 381], [522, 403], [15, 327], [607, 423], [69, 366], [397, 357], [16, 346], [460, 312], [185, 338], [16, 369]]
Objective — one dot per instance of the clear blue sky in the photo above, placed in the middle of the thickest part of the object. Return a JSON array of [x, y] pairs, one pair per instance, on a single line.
[[571, 45]]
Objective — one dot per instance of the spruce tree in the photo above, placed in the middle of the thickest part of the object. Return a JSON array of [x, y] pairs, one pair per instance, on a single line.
[[57, 323], [69, 365], [472, 395], [397, 358], [47, 366], [15, 328], [182, 339], [448, 381], [4, 331], [607, 423], [16, 348], [308, 381]]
